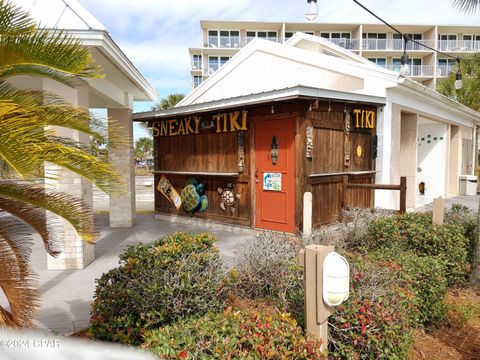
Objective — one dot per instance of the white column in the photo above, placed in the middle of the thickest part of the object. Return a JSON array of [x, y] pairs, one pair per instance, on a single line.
[[76, 254], [122, 207]]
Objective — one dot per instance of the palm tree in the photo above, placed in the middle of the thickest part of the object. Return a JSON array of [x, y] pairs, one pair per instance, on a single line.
[[27, 141], [469, 94], [467, 6], [144, 146], [165, 103], [169, 102]]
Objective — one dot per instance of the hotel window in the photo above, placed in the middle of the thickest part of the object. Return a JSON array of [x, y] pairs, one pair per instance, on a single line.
[[212, 38], [268, 35], [288, 34], [445, 66], [339, 38], [197, 62], [470, 42], [197, 80], [229, 39], [224, 38], [374, 41], [415, 69], [398, 42], [379, 61], [447, 42], [213, 64]]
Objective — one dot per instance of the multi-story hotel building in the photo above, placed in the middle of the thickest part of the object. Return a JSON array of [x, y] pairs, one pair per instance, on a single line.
[[220, 40]]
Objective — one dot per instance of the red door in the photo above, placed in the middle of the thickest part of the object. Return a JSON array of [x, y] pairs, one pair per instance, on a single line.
[[275, 175]]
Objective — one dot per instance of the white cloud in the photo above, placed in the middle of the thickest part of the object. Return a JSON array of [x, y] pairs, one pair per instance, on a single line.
[[156, 34]]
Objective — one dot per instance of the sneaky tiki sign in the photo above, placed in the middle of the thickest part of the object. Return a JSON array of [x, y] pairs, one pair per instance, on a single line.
[[191, 125], [363, 119]]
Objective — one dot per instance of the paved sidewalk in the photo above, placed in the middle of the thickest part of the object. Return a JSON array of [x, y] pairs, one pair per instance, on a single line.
[[470, 201], [67, 294]]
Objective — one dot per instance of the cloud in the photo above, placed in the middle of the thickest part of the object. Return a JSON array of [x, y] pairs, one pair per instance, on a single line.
[[156, 34]]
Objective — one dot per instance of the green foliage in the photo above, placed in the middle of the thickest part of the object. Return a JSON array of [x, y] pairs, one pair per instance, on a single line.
[[144, 146], [28, 139], [469, 93], [426, 277], [267, 268], [378, 318], [169, 102], [174, 277], [236, 333], [467, 219], [415, 232]]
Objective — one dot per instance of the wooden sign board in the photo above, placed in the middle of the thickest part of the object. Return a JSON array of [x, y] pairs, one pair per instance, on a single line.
[[192, 125], [167, 190], [363, 119]]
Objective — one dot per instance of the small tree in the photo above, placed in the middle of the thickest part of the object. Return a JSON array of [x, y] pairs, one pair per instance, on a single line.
[[144, 146]]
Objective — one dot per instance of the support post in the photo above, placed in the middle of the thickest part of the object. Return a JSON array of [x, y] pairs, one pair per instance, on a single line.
[[403, 194], [122, 207], [316, 312], [438, 210], [307, 214]]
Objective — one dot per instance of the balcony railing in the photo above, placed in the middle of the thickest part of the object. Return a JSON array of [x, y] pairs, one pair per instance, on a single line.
[[197, 65], [458, 45], [395, 44], [232, 42], [445, 70], [349, 44], [415, 70]]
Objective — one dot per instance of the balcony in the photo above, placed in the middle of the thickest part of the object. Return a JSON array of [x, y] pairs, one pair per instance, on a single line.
[[232, 42], [196, 65], [349, 44], [458, 45], [415, 70], [445, 70], [395, 45]]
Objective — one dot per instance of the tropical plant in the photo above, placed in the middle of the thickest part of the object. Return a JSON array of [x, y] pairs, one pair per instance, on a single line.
[[467, 6], [469, 94], [144, 146], [28, 140], [169, 102], [165, 103]]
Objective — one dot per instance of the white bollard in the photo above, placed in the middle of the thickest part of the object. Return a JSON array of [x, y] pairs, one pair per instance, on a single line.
[[307, 214]]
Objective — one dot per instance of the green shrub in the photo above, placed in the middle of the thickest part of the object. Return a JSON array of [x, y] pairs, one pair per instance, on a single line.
[[426, 278], [467, 219], [156, 284], [415, 232], [236, 333], [350, 232], [378, 318], [267, 268]]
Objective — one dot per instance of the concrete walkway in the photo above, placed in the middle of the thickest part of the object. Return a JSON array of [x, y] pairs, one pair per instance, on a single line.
[[470, 201], [66, 295]]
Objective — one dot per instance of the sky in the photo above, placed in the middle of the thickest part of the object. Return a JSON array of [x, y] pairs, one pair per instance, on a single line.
[[156, 34]]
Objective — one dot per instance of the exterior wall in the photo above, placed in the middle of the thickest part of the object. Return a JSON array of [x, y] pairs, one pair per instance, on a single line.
[[408, 155], [432, 152], [428, 75]]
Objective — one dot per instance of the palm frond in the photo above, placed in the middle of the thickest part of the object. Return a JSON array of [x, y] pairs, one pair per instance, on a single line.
[[41, 221], [54, 54], [14, 21], [73, 210], [17, 282], [467, 6], [51, 109]]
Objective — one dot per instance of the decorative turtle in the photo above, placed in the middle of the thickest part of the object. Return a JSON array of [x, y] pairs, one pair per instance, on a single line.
[[228, 198], [193, 197]]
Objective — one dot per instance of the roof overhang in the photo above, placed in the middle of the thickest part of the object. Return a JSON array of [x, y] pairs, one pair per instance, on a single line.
[[423, 99], [141, 89], [297, 92]]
